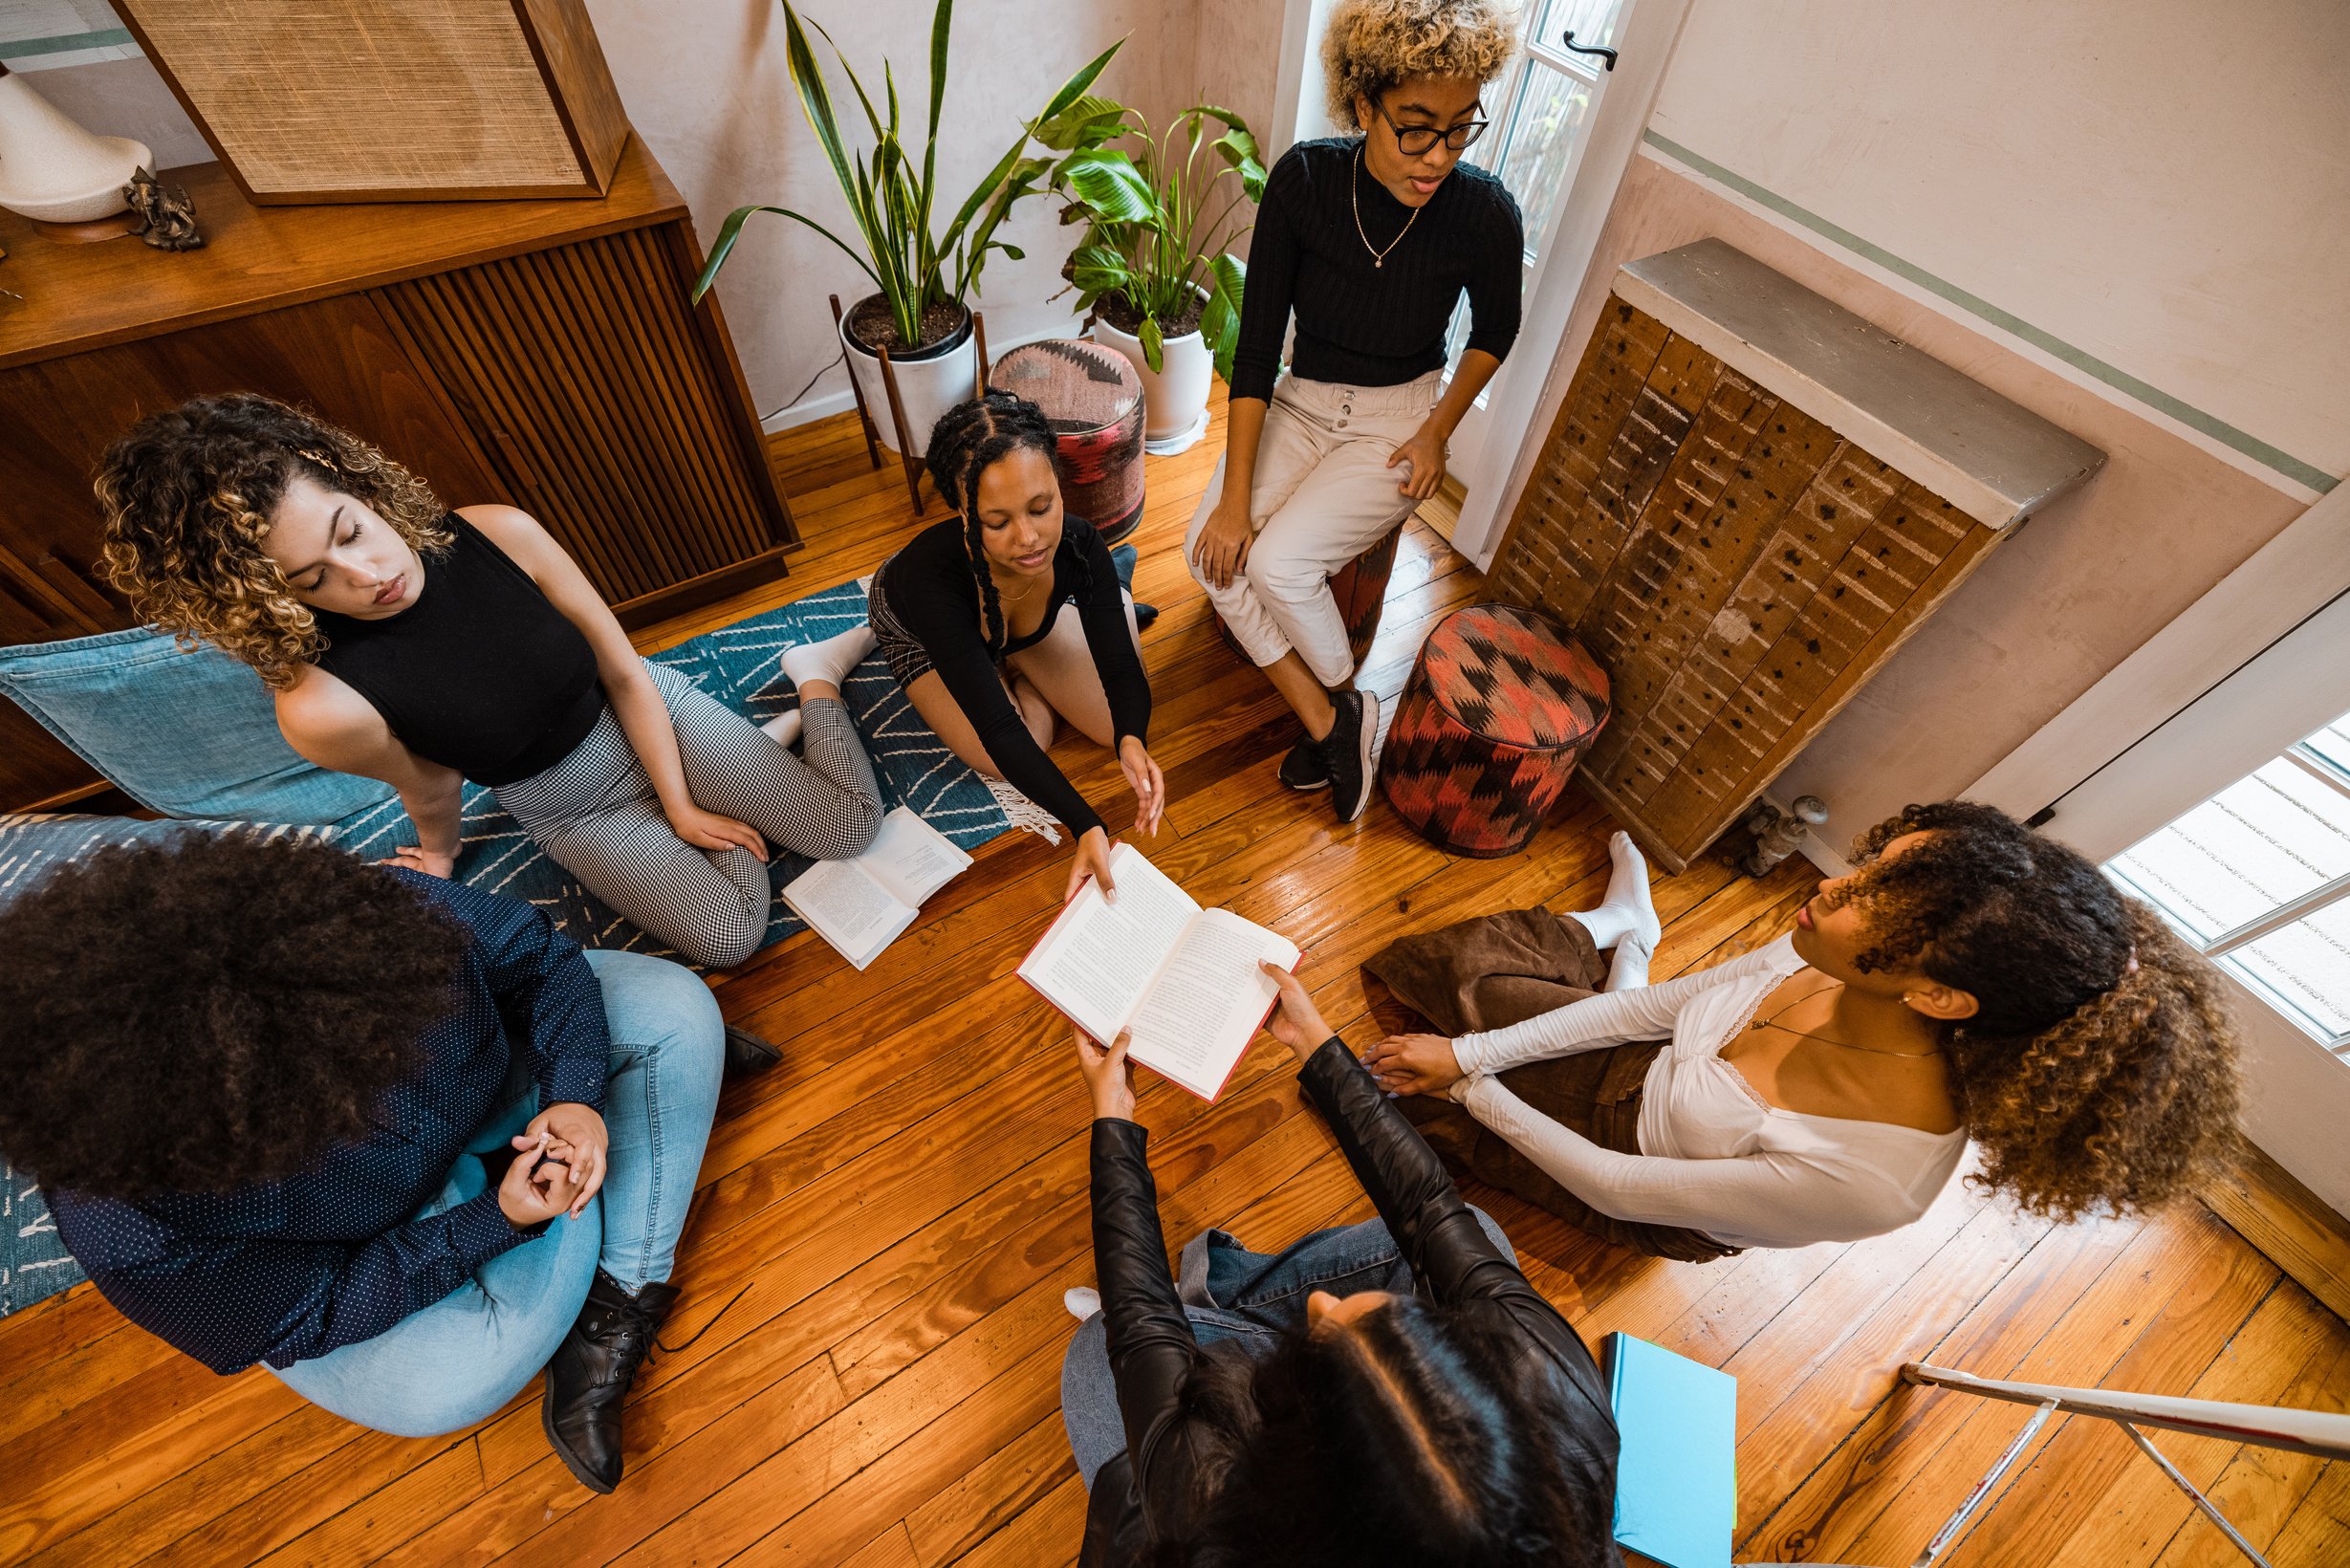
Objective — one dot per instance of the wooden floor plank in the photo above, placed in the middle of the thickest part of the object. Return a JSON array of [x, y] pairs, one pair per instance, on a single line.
[[886, 1222]]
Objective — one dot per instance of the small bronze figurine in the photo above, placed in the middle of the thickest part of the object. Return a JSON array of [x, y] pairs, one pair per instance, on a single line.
[[166, 219]]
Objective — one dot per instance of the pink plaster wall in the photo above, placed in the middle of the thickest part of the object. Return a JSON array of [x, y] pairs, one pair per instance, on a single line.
[[2087, 580], [705, 84]]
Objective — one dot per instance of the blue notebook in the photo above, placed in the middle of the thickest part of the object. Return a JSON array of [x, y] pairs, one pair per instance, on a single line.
[[1677, 1475]]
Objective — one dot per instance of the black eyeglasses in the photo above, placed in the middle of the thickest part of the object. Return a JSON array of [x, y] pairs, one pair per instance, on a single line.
[[1412, 141]]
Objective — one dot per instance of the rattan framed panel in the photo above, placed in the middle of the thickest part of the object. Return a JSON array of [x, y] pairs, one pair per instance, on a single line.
[[391, 101]]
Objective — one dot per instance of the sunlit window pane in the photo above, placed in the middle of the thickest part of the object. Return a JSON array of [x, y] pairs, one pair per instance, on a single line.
[[2333, 743], [1540, 134], [2306, 966], [1592, 21], [2261, 842]]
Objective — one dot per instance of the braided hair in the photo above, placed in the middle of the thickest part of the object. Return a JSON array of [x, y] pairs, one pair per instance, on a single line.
[[2100, 1070], [969, 438]]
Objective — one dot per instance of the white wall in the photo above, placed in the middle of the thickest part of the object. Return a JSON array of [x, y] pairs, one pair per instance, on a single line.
[[2023, 170], [2162, 186]]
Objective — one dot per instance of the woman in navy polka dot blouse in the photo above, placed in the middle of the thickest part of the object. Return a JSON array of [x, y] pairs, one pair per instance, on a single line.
[[391, 1137]]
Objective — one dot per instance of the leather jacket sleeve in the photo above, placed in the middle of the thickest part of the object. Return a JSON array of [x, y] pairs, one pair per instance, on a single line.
[[1449, 1252], [1151, 1347]]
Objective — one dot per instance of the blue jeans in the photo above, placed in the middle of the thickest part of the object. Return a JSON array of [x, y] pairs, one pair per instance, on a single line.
[[1229, 1293], [464, 1357]]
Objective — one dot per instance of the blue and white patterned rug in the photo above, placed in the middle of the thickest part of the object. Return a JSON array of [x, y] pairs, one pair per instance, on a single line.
[[741, 665]]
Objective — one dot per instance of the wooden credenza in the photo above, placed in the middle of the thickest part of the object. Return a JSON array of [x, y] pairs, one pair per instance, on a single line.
[[1749, 498], [544, 354]]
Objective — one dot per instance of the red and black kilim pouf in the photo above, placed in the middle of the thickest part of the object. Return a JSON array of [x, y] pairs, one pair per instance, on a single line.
[[1500, 707], [1360, 588], [1094, 400]]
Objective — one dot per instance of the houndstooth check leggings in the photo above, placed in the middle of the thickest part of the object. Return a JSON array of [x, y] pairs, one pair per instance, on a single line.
[[596, 816]]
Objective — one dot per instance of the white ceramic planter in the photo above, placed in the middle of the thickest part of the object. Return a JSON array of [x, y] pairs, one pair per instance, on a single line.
[[931, 382], [1175, 396], [51, 169]]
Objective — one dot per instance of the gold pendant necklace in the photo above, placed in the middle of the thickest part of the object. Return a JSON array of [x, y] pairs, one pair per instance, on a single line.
[[1772, 1022], [1378, 257]]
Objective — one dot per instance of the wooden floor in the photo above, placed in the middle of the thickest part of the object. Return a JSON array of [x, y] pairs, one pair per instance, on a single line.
[[902, 1203]]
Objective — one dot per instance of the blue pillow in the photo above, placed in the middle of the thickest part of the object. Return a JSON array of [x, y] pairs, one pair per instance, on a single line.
[[188, 733]]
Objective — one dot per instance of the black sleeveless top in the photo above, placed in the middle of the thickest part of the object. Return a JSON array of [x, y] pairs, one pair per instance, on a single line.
[[481, 674]]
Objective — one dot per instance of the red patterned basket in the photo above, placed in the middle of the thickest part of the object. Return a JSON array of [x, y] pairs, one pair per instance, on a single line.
[[1500, 708], [1360, 588], [1094, 400]]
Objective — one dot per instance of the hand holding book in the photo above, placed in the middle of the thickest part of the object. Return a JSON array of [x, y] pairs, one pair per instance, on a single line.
[[1295, 1020]]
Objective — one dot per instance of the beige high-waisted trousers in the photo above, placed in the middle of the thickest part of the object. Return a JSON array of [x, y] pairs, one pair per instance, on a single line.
[[1323, 495]]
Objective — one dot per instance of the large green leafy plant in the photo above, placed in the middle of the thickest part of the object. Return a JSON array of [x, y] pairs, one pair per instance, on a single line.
[[1149, 242], [892, 196]]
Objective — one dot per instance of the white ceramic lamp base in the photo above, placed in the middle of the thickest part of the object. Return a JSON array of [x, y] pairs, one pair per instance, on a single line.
[[52, 170]]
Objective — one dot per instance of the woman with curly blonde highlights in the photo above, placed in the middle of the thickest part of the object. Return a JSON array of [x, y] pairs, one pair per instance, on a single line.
[[422, 646], [1370, 240], [1970, 981]]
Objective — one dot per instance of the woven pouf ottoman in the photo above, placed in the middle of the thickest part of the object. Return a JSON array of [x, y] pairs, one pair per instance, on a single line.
[[1360, 588], [1094, 399], [1500, 707]]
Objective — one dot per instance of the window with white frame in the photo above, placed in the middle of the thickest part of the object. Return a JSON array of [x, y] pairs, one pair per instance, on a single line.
[[1536, 110], [2258, 878]]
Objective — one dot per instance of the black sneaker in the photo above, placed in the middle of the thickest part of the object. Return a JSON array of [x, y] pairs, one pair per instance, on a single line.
[[1303, 770], [1347, 750]]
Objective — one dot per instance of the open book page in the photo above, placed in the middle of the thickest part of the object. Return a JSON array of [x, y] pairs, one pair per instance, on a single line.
[[911, 859], [848, 908], [1204, 1002], [1097, 958]]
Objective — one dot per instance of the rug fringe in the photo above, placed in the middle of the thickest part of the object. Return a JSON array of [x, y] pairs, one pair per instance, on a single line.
[[1022, 812]]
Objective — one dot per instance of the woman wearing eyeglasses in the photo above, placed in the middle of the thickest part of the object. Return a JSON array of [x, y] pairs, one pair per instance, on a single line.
[[1369, 241]]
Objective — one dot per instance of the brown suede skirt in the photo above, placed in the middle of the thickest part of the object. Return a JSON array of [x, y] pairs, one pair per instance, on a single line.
[[1500, 970]]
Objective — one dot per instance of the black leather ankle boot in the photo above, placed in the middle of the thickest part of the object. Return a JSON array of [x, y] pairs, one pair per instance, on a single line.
[[589, 1377]]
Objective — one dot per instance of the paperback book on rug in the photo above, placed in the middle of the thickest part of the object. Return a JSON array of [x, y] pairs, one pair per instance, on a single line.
[[862, 905]]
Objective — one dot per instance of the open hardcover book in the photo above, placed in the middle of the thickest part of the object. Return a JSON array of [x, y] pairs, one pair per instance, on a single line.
[[862, 905], [1184, 979]]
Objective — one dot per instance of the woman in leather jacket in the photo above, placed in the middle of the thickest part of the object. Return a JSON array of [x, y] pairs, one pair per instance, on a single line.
[[1394, 1392]]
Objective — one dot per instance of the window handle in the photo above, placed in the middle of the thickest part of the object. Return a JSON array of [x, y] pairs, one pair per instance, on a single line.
[[1607, 54]]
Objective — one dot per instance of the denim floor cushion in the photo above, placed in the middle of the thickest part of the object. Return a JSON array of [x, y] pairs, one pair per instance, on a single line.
[[187, 734]]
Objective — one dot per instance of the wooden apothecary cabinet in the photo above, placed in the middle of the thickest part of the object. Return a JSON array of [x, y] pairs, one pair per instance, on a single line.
[[1750, 497], [540, 352]]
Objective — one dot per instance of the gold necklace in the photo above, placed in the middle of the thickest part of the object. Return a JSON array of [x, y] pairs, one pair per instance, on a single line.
[[1378, 257], [1772, 1022]]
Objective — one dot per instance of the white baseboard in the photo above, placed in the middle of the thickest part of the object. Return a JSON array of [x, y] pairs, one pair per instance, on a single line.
[[824, 406]]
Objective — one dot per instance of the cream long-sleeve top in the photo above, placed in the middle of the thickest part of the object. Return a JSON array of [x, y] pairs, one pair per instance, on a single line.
[[1714, 1156]]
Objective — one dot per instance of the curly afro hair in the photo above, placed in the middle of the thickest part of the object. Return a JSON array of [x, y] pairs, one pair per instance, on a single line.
[[192, 1015], [1369, 46], [188, 494], [2099, 1073]]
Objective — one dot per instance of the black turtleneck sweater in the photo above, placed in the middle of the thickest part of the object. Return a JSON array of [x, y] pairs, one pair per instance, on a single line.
[[1360, 324]]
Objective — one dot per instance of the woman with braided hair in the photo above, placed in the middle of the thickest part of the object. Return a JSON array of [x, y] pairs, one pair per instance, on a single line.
[[1971, 980], [968, 615]]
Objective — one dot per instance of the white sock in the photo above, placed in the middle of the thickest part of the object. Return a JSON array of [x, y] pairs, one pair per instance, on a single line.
[[830, 660], [1630, 966], [1627, 912], [1082, 1301], [784, 726]]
